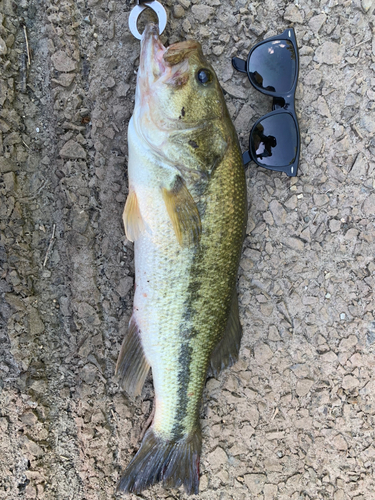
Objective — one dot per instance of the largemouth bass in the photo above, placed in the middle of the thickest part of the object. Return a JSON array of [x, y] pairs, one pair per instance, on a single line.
[[186, 213]]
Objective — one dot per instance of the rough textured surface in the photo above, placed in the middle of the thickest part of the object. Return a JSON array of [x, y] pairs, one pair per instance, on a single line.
[[295, 417]]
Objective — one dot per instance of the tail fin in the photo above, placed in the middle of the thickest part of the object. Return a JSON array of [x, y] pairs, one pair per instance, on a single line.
[[173, 463]]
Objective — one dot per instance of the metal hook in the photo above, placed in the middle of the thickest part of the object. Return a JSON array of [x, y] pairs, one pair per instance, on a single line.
[[140, 7]]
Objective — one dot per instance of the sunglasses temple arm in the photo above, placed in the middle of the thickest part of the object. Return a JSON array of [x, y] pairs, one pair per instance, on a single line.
[[239, 64], [246, 158]]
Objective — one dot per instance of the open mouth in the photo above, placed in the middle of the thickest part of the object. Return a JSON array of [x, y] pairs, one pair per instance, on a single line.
[[157, 61], [152, 53]]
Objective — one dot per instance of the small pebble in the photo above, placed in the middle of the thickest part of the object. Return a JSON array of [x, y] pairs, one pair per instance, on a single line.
[[202, 12], [62, 62], [178, 11], [3, 47], [366, 4]]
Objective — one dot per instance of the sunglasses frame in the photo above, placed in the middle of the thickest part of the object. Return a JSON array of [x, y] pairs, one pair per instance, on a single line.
[[283, 102]]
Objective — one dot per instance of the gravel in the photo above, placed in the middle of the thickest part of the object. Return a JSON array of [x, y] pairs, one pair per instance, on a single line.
[[294, 418]]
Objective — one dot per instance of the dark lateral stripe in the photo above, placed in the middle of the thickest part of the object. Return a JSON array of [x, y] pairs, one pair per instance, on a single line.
[[184, 372], [186, 335]]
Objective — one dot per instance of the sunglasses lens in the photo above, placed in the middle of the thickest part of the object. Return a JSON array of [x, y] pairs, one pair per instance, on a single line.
[[272, 66], [274, 141]]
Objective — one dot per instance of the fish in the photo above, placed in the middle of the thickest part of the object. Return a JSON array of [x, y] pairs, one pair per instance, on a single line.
[[186, 212]]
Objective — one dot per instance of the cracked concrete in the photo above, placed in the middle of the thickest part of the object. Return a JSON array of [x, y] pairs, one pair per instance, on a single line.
[[294, 418]]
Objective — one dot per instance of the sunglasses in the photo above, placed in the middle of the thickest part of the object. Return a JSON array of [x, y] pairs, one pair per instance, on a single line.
[[272, 68]]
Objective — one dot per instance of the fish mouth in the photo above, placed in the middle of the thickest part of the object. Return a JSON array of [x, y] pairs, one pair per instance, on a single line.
[[157, 61], [152, 65]]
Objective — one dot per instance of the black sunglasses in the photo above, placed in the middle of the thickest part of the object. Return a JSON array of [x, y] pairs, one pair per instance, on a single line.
[[272, 67]]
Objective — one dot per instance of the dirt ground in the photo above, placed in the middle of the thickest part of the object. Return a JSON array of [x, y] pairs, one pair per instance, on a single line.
[[295, 417]]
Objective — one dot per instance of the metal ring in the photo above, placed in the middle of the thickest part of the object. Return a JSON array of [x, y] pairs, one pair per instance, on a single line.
[[136, 11]]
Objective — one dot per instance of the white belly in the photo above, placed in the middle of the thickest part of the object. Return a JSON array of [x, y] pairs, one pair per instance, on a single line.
[[161, 275]]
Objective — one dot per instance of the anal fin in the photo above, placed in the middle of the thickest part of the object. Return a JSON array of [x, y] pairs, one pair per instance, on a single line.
[[225, 353], [132, 218], [132, 366], [183, 213]]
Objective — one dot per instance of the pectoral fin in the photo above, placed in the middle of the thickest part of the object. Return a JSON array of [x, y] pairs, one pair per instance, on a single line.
[[183, 213], [226, 352], [132, 218]]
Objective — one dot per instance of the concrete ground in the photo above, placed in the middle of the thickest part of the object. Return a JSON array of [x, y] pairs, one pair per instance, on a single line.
[[295, 417]]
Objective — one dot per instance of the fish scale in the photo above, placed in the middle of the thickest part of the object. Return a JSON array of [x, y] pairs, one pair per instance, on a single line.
[[186, 212]]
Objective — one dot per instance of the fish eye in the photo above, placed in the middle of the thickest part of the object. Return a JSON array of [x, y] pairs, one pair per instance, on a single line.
[[204, 76]]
